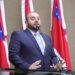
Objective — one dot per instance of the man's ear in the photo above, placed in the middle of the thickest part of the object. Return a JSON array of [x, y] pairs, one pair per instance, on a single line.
[[26, 23]]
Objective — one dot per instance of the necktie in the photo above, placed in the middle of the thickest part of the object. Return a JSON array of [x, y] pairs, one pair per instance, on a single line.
[[40, 41]]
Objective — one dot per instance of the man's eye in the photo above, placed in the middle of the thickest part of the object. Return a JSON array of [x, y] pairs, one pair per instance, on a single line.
[[32, 18]]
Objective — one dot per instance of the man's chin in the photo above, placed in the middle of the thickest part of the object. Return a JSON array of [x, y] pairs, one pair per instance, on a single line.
[[37, 28]]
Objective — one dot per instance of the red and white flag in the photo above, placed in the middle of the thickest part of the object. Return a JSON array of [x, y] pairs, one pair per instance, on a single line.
[[26, 7], [58, 32], [4, 61]]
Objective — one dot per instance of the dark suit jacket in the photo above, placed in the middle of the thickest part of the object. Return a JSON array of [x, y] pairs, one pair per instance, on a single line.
[[24, 50]]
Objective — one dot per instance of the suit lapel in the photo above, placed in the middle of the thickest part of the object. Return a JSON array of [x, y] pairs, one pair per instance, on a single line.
[[29, 34]]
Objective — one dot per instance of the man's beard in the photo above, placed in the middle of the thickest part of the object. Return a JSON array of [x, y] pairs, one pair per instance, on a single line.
[[36, 28]]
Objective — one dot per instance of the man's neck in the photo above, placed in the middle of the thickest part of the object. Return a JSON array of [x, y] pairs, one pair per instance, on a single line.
[[33, 30]]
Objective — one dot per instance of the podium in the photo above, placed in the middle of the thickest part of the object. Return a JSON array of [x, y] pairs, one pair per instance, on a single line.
[[34, 72]]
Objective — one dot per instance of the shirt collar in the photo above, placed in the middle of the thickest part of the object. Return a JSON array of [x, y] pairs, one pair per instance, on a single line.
[[34, 32]]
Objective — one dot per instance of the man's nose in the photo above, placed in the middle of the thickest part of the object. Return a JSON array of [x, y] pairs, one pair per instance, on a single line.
[[36, 20]]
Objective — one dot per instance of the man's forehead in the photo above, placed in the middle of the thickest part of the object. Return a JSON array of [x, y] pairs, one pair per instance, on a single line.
[[32, 14]]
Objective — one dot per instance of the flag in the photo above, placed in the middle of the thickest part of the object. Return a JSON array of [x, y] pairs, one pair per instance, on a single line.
[[4, 62], [26, 7], [58, 32]]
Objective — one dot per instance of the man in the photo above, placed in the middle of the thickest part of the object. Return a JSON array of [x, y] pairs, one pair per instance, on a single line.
[[27, 52]]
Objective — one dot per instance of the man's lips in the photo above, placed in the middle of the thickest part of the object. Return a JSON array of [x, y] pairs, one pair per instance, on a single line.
[[37, 24], [38, 27]]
